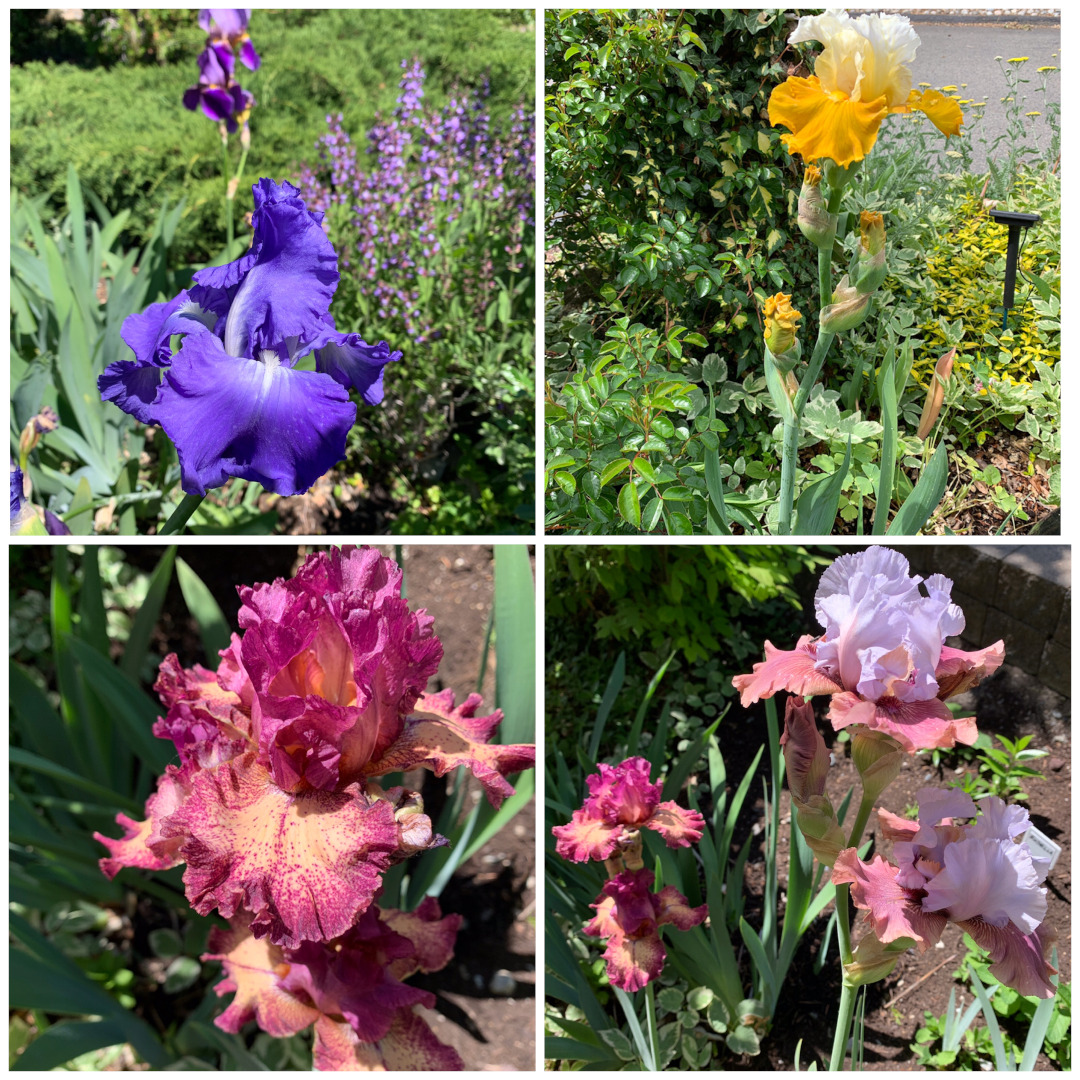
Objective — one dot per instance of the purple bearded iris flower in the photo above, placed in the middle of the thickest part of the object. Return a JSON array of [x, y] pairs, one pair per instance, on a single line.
[[227, 27], [231, 398], [219, 96]]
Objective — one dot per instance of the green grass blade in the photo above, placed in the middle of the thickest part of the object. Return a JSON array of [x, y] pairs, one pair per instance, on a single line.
[[62, 1042], [515, 644], [887, 462], [611, 692], [138, 644], [17, 756], [213, 629]]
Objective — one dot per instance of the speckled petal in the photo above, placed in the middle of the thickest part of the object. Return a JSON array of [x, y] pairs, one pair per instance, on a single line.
[[431, 934], [457, 738], [586, 837], [253, 970], [678, 826], [131, 849], [305, 865], [409, 1046]]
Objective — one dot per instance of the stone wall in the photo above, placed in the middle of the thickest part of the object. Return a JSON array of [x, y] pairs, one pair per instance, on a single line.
[[1022, 594]]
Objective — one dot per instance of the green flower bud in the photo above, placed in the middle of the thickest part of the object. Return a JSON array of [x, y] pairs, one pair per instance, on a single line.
[[848, 309], [815, 221]]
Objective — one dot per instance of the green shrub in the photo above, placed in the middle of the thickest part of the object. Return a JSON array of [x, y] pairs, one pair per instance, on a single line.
[[669, 195], [134, 144]]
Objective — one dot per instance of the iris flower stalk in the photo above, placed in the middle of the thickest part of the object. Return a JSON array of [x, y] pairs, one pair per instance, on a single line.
[[861, 77]]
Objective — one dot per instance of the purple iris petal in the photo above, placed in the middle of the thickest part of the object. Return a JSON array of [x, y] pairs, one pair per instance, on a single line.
[[133, 385], [351, 361], [230, 25], [256, 419], [248, 56], [54, 526], [283, 287]]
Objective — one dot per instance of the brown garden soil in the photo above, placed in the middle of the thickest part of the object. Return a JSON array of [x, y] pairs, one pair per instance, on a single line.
[[1012, 703], [485, 997]]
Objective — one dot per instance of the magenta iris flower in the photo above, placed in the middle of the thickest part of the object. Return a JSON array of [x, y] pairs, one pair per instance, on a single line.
[[277, 806], [232, 398]]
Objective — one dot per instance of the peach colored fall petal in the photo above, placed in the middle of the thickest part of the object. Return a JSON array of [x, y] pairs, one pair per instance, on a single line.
[[916, 725], [958, 671], [893, 911], [792, 670], [304, 865], [430, 933], [678, 826], [409, 1046]]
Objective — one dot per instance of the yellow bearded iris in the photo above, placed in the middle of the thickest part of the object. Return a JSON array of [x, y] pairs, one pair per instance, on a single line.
[[861, 76]]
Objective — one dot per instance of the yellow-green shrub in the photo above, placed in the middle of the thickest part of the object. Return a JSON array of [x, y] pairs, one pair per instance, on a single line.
[[967, 269]]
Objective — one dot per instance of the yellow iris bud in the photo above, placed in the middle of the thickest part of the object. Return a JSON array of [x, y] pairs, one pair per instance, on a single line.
[[781, 320], [870, 269]]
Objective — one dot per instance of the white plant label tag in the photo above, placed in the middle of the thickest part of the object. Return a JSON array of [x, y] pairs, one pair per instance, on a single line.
[[1042, 845]]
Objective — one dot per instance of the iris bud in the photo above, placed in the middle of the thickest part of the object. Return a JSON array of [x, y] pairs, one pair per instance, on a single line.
[[935, 396], [848, 309], [815, 221], [870, 268], [781, 321]]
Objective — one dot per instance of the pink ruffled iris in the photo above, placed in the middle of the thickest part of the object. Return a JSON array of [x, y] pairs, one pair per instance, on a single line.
[[629, 914], [978, 876], [621, 801], [352, 989], [882, 658], [276, 806]]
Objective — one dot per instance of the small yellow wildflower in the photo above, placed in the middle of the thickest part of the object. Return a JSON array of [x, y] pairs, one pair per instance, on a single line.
[[1050, 68], [1019, 59], [1033, 114], [949, 89]]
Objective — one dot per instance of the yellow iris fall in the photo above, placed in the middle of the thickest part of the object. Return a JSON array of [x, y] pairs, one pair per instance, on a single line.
[[861, 76]]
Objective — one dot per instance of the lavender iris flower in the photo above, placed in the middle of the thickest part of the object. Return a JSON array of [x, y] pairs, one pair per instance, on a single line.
[[232, 398]]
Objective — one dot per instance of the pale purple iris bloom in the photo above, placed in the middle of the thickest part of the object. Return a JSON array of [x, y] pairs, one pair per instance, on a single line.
[[882, 635], [231, 398]]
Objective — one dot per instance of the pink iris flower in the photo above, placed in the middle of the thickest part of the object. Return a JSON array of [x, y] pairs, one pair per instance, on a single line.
[[276, 806], [979, 876], [621, 801], [883, 657], [351, 989], [629, 914]]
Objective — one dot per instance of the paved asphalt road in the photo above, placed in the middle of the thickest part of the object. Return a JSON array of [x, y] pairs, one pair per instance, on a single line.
[[958, 53]]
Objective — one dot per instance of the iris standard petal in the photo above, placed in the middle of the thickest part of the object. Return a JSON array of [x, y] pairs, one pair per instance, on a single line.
[[255, 419], [288, 287]]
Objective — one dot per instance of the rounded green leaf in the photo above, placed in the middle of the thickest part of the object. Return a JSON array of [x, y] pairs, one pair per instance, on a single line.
[[681, 525], [663, 427], [567, 482], [630, 505], [644, 468]]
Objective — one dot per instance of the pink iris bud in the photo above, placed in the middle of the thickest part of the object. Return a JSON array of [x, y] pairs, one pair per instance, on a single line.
[[979, 876], [621, 801], [883, 658], [630, 915], [807, 766], [277, 807], [935, 396]]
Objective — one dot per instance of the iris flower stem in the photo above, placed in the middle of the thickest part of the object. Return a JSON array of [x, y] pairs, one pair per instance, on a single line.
[[650, 1014], [228, 200], [792, 427], [843, 1022], [860, 821], [180, 515]]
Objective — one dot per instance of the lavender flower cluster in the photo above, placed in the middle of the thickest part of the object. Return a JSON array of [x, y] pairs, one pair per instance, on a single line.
[[434, 170]]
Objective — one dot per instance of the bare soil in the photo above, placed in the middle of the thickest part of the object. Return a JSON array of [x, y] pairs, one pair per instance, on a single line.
[[1012, 703]]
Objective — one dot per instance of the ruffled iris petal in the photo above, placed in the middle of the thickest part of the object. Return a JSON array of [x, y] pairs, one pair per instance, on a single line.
[[1019, 958], [409, 1046], [289, 286], [350, 361], [255, 419], [792, 670], [945, 113], [824, 125], [586, 837], [304, 865], [453, 736], [678, 826], [916, 725]]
